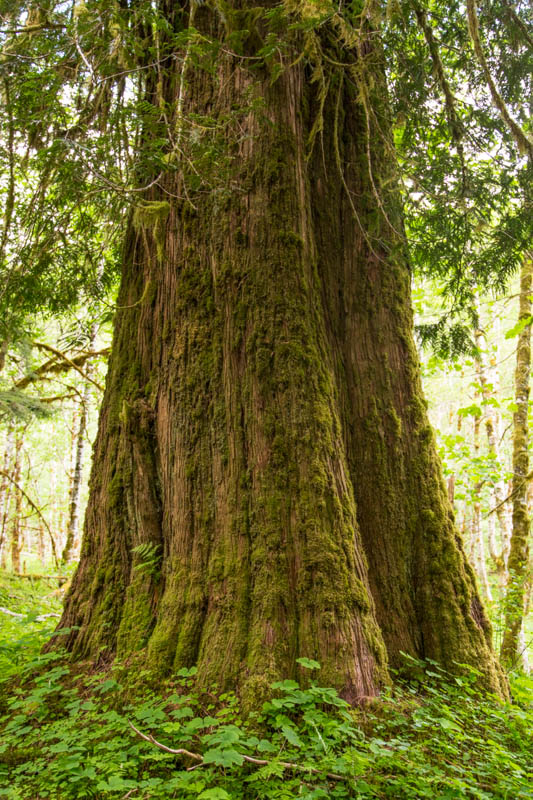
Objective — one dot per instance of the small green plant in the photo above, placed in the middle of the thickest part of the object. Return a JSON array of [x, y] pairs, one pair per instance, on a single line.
[[438, 737], [148, 555], [30, 609]]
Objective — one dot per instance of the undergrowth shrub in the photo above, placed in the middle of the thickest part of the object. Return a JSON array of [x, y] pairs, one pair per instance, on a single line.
[[30, 608], [72, 736]]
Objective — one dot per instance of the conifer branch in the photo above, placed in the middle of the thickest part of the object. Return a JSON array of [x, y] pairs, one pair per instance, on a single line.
[[52, 366]]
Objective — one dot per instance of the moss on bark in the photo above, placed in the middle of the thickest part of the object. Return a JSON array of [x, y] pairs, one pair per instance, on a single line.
[[263, 419]]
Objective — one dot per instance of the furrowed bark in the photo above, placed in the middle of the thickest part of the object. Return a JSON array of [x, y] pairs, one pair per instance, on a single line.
[[265, 484]]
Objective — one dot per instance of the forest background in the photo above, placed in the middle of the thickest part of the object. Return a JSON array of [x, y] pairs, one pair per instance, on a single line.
[[461, 110]]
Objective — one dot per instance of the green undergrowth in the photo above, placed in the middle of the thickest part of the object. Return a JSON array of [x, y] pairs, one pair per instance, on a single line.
[[25, 623], [68, 736], [67, 733]]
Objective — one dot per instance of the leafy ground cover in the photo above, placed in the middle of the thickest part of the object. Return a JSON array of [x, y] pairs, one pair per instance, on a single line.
[[66, 734], [29, 610]]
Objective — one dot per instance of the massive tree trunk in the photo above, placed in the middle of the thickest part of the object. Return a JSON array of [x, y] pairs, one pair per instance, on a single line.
[[265, 484]]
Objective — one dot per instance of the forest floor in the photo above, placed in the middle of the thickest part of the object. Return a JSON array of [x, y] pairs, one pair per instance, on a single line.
[[67, 733], [29, 610]]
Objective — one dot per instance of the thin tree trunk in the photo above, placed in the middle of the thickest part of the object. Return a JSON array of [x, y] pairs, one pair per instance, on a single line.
[[15, 528], [41, 545], [518, 565], [498, 490], [479, 552], [477, 546], [5, 485], [70, 549]]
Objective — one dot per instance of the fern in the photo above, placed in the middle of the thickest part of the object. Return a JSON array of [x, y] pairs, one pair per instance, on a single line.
[[149, 557]]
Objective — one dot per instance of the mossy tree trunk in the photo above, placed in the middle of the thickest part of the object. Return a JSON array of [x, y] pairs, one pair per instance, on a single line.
[[5, 487], [518, 565], [15, 525], [265, 484], [71, 547]]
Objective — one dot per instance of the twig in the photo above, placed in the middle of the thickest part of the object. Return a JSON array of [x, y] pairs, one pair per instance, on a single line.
[[527, 478], [260, 762]]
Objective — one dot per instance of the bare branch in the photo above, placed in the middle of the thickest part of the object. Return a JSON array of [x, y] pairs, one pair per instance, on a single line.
[[260, 762]]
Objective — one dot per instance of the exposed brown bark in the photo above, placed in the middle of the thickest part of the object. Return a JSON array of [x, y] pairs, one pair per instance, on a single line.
[[265, 484]]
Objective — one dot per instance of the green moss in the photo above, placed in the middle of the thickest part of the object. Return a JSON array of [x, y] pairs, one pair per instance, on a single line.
[[151, 216], [136, 618]]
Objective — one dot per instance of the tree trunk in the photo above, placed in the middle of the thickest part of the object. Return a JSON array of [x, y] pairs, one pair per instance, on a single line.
[[518, 565], [71, 542], [5, 487], [15, 528], [499, 490], [265, 484], [477, 545]]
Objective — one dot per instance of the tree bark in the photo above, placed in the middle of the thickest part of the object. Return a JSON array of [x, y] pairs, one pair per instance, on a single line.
[[265, 484], [499, 490], [518, 565], [72, 533], [15, 527], [5, 487]]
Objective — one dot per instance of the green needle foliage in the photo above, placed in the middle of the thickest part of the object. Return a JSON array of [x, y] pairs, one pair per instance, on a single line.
[[86, 130], [467, 199]]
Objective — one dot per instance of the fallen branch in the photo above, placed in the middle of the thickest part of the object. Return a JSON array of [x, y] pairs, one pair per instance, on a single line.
[[180, 752], [260, 762], [40, 618], [11, 613], [35, 577]]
